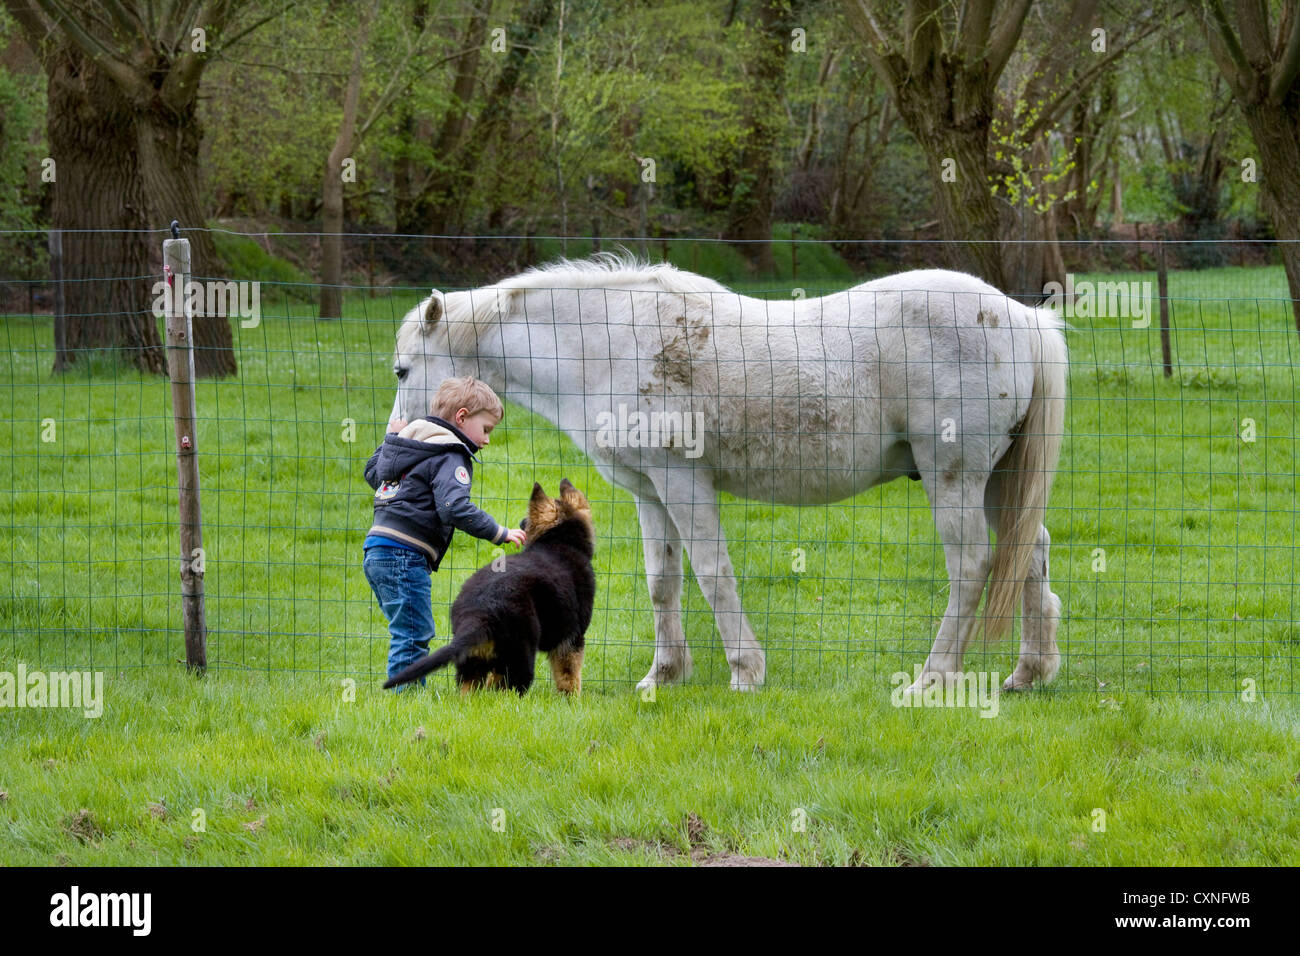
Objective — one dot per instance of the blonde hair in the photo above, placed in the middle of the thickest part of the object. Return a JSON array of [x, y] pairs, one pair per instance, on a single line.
[[468, 393]]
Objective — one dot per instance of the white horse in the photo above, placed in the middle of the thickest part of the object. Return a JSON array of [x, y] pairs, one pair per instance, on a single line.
[[931, 374]]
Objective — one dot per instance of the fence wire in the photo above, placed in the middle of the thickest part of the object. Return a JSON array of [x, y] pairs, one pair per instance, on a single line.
[[1173, 513]]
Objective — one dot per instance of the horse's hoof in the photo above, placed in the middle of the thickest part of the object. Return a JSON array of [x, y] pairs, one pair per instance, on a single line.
[[749, 675], [1025, 677], [1015, 683], [927, 680], [665, 673]]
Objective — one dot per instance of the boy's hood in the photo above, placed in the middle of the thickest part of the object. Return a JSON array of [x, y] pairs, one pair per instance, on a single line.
[[419, 440]]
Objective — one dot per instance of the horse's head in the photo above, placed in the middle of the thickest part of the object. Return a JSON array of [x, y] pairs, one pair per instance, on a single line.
[[438, 339]]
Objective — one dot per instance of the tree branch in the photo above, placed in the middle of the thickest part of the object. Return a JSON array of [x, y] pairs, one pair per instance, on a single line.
[[128, 24], [922, 38], [1081, 83], [1005, 37], [181, 86], [1286, 69], [974, 29], [860, 13], [131, 82], [1223, 43], [36, 31], [1252, 24], [236, 37]]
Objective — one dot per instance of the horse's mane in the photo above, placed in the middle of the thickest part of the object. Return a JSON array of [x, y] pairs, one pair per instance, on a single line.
[[470, 312], [611, 270]]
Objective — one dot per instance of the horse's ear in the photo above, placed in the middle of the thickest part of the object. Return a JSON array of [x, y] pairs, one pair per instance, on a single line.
[[432, 312]]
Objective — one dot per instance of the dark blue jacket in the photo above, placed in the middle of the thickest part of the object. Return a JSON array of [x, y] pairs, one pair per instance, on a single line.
[[421, 477]]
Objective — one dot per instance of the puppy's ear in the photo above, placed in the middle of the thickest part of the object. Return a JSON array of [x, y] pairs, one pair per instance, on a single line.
[[571, 496], [434, 310], [539, 496]]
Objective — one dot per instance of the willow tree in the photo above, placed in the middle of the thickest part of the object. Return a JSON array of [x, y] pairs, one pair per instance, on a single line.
[[943, 61], [123, 84], [1261, 63]]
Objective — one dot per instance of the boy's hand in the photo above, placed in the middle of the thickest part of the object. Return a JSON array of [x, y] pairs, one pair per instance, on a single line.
[[517, 536], [396, 425]]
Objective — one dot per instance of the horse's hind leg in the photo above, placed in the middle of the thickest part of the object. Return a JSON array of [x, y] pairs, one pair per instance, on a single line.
[[1039, 656], [663, 572], [957, 502]]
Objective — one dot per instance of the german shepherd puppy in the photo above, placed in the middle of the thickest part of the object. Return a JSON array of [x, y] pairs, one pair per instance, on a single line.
[[537, 600]]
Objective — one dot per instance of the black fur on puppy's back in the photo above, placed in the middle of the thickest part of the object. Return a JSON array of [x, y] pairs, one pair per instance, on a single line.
[[539, 600]]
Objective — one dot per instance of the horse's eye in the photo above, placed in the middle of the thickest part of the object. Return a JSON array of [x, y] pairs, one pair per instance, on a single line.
[[400, 373]]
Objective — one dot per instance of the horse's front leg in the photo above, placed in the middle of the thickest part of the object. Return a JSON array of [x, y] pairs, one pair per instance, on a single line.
[[663, 573], [692, 506]]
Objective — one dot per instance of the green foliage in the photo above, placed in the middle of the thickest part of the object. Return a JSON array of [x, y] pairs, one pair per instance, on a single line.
[[245, 259], [22, 147]]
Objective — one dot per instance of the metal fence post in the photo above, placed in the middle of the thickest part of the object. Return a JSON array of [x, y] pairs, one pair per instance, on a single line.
[[180, 369], [61, 359], [1162, 285]]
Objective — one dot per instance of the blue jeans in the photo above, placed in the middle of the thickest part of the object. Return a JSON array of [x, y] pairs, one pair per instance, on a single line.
[[400, 579]]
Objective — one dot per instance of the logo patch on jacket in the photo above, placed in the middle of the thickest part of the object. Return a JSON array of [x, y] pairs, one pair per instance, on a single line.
[[387, 490], [462, 475]]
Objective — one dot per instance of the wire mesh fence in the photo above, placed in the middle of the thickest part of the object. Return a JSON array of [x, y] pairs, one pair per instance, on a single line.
[[1172, 516]]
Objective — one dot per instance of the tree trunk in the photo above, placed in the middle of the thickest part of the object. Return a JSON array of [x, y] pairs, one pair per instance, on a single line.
[[169, 166], [331, 292], [1276, 130], [750, 215], [123, 167], [431, 209], [957, 157], [448, 213], [1036, 260]]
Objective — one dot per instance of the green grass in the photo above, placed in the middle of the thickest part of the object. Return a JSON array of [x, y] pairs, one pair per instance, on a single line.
[[1197, 602], [287, 771]]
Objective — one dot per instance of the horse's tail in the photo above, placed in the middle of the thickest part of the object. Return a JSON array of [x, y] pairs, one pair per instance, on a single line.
[[1027, 470]]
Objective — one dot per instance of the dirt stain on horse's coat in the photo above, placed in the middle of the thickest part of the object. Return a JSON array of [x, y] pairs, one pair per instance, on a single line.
[[990, 317], [672, 363]]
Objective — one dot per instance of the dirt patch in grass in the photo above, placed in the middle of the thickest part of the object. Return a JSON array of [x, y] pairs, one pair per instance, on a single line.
[[697, 832], [82, 826]]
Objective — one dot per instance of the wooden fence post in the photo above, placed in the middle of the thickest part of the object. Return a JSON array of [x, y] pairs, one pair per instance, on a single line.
[[180, 369]]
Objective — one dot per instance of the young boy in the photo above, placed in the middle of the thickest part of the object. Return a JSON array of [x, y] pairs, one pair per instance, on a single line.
[[421, 475]]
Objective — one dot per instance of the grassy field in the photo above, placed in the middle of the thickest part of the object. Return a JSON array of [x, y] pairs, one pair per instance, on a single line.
[[286, 771], [1196, 604]]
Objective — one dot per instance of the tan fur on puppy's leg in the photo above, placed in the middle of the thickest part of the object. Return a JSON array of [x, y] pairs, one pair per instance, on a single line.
[[566, 668]]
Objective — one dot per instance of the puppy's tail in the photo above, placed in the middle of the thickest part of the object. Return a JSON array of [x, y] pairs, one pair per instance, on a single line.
[[439, 658]]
